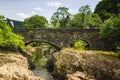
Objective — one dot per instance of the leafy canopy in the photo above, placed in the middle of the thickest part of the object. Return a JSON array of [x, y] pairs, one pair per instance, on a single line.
[[108, 8], [85, 9], [111, 30], [7, 37], [36, 21], [58, 18], [85, 19]]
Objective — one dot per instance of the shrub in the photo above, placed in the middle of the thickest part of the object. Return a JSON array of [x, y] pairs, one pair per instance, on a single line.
[[9, 39], [80, 44]]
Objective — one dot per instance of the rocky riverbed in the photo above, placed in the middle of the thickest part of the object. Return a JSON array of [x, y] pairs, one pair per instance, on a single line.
[[67, 64]]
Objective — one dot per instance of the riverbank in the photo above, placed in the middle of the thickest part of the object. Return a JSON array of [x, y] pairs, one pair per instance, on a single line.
[[13, 66]]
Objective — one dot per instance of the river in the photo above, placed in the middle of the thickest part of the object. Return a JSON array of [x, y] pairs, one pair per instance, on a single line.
[[43, 73]]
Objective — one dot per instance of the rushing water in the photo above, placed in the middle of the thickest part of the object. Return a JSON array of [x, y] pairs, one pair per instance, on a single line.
[[43, 73]]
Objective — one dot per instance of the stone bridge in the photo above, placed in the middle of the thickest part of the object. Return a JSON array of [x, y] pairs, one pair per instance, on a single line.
[[61, 38]]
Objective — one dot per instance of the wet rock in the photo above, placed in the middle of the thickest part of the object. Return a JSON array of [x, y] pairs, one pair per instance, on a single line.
[[79, 76]]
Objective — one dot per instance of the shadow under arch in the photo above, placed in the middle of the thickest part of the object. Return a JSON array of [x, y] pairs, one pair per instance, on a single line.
[[88, 46], [45, 41]]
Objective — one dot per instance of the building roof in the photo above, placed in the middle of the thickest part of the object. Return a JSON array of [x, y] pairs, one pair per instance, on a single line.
[[15, 23]]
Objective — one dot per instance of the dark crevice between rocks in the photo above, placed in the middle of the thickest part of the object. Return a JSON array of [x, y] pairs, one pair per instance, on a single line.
[[49, 66], [28, 57]]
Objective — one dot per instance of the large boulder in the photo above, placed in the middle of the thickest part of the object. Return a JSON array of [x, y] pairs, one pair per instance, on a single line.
[[13, 66], [86, 65]]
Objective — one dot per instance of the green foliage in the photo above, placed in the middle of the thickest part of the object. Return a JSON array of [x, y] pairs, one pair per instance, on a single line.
[[109, 11], [107, 8], [85, 9], [85, 21], [92, 20], [31, 33], [36, 21], [80, 45], [58, 18], [77, 21], [38, 58], [111, 28], [7, 37]]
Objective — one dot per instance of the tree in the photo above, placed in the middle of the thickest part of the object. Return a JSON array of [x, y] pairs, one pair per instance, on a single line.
[[8, 39], [85, 9], [36, 21], [92, 21], [111, 30], [58, 18], [76, 22], [85, 19], [107, 8]]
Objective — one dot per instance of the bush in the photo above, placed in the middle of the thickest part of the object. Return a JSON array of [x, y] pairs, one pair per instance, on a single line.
[[80, 44], [9, 39]]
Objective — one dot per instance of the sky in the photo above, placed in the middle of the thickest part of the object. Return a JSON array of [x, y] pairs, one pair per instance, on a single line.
[[21, 9]]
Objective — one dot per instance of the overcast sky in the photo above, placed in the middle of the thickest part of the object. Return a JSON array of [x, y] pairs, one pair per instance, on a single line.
[[21, 9]]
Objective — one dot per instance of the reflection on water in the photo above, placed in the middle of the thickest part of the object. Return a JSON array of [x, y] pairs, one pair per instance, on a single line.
[[43, 73]]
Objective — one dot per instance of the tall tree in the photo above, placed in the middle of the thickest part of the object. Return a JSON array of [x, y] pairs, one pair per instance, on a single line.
[[59, 16], [36, 21], [107, 8], [85, 19], [85, 9]]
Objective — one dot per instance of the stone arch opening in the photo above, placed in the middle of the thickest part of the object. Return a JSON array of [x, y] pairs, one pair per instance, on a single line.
[[44, 41], [87, 44]]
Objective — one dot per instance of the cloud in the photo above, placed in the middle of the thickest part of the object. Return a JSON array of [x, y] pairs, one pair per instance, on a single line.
[[23, 15], [38, 8], [54, 4], [33, 13], [72, 11]]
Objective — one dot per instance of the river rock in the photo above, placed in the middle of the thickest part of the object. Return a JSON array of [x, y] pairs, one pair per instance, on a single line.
[[79, 76], [79, 65], [14, 66]]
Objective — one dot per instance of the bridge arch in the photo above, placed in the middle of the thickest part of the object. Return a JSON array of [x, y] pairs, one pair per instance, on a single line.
[[89, 45], [45, 41]]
